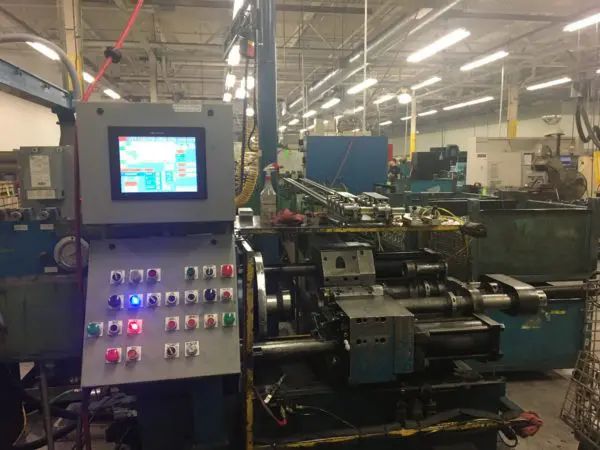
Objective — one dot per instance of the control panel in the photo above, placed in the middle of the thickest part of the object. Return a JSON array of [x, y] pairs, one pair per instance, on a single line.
[[160, 308]]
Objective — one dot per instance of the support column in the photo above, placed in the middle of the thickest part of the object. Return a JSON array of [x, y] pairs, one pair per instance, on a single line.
[[153, 66], [513, 109], [71, 15], [267, 81], [413, 125]]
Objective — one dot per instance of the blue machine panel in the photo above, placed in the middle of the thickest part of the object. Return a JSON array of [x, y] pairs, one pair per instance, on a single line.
[[358, 162]]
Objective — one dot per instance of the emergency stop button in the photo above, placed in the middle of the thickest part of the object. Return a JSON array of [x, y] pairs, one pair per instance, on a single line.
[[227, 271], [112, 355]]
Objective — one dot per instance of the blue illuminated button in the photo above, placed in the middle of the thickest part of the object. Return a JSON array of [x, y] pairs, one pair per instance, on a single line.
[[114, 302], [135, 301], [210, 295]]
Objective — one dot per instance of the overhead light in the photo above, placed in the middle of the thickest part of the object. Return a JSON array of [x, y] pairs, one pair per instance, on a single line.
[[250, 111], [598, 71], [227, 97], [326, 122], [112, 94], [330, 103], [428, 113], [87, 77], [362, 86], [338, 117], [250, 85], [240, 93], [355, 57], [354, 110], [387, 122], [583, 23], [426, 83], [405, 98], [469, 103], [283, 108], [384, 98], [234, 58], [404, 119], [309, 114], [295, 102], [303, 130], [422, 13], [323, 80], [44, 50], [483, 61], [547, 84], [294, 122], [282, 128], [441, 44], [230, 80], [356, 130], [311, 127]]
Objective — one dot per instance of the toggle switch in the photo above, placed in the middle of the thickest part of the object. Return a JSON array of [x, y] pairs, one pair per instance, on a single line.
[[209, 272], [115, 302], [210, 295], [117, 276], [153, 300], [172, 351]]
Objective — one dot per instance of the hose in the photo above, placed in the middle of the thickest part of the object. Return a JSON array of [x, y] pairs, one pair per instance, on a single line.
[[38, 443], [594, 131], [26, 37], [109, 59]]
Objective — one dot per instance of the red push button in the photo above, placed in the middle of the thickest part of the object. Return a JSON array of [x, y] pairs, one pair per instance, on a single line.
[[171, 325], [112, 355], [134, 327], [192, 323], [226, 271], [226, 295], [210, 321], [132, 354]]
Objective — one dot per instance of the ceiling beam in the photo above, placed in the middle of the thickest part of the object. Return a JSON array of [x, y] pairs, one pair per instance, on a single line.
[[510, 17]]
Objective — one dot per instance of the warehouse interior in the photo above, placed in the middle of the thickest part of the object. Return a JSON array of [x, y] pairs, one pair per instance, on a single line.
[[287, 224]]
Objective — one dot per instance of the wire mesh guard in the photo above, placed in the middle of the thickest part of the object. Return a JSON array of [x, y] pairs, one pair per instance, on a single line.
[[581, 408], [9, 198], [455, 250]]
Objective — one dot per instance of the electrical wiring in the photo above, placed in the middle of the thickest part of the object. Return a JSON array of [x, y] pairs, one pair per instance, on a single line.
[[109, 59], [280, 422], [329, 413]]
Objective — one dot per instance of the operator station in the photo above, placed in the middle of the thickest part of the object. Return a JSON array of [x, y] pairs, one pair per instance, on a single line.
[[297, 224]]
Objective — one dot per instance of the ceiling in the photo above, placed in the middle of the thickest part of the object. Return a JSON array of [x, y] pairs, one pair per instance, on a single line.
[[183, 41]]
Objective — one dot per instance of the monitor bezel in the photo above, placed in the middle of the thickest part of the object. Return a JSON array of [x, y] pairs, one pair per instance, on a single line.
[[198, 133]]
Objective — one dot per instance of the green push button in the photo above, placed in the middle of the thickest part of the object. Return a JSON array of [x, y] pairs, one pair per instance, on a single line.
[[190, 273], [93, 329], [229, 319]]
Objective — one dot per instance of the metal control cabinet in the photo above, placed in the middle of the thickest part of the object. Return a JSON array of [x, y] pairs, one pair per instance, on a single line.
[[98, 208], [185, 324]]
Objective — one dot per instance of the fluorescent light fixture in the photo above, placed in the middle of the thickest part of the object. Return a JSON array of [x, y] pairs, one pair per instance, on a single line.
[[583, 23], [87, 77], [338, 117], [303, 130], [356, 130], [282, 128], [326, 122], [441, 44], [330, 103], [469, 103], [295, 102], [547, 84], [237, 4], [405, 98], [250, 111], [426, 83], [44, 50], [227, 97], [362, 86], [422, 13], [230, 80], [240, 93], [309, 114], [234, 58], [384, 98], [112, 94], [323, 80], [251, 83], [483, 61], [294, 122], [431, 112], [311, 127], [354, 110], [404, 119], [386, 123], [355, 57], [598, 71]]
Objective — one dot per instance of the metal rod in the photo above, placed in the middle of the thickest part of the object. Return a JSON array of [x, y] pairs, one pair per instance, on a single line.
[[290, 349], [45, 402], [501, 102], [365, 50]]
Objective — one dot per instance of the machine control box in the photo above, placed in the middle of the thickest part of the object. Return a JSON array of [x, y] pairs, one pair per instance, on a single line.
[[160, 308]]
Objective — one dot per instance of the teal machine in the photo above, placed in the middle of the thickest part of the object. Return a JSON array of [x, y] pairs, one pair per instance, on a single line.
[[538, 242]]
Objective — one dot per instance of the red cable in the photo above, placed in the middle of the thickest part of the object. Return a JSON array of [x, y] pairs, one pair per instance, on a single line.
[[108, 61]]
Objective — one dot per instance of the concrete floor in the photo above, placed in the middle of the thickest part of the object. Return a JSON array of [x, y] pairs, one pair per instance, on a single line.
[[541, 393]]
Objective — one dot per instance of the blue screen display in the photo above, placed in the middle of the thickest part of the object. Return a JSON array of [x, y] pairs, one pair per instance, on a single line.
[[158, 164]]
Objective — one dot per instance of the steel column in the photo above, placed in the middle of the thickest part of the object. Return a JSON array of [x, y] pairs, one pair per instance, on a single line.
[[513, 109], [71, 15], [413, 125], [267, 81]]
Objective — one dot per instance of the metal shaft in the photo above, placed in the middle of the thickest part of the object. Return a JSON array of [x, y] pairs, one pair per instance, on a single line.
[[45, 401], [279, 349]]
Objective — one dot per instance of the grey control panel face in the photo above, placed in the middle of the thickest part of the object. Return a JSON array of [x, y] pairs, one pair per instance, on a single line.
[[160, 309]]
